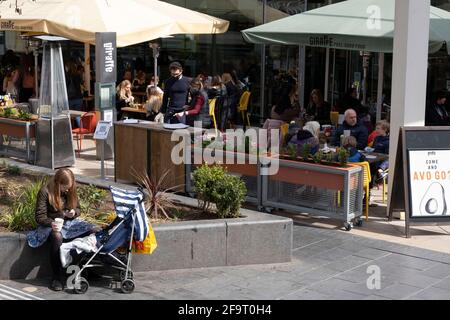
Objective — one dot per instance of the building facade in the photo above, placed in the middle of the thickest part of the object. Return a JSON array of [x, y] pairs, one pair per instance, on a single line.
[[259, 64]]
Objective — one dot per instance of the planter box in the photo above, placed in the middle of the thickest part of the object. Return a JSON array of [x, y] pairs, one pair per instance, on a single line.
[[18, 129], [256, 239], [317, 189], [248, 171]]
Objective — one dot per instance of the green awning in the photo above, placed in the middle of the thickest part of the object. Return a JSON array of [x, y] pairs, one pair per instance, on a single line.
[[348, 25]]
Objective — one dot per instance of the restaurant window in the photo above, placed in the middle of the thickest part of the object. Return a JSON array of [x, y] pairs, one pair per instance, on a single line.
[[215, 54]]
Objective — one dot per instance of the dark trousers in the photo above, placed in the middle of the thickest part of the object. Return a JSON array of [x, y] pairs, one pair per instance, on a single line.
[[56, 240]]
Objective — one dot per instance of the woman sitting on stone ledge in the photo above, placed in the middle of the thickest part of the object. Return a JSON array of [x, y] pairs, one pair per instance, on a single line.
[[57, 210]]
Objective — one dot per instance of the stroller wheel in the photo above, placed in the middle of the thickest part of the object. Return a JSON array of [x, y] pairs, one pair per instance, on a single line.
[[122, 275], [127, 286], [81, 286]]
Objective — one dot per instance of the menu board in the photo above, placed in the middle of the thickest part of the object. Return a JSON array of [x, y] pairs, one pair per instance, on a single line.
[[429, 177]]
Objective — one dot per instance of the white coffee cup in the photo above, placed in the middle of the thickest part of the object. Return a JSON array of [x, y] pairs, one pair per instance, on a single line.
[[59, 224]]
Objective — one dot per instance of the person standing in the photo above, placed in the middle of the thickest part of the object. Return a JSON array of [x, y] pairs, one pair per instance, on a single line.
[[176, 93], [198, 109], [436, 113]]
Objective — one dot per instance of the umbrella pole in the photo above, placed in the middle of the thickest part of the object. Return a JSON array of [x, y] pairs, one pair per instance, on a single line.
[[380, 85], [36, 82]]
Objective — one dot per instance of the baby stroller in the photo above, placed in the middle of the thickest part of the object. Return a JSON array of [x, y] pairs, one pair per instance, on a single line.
[[131, 223]]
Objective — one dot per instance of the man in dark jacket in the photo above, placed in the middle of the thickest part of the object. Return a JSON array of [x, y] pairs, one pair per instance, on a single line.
[[176, 93], [436, 114], [357, 130]]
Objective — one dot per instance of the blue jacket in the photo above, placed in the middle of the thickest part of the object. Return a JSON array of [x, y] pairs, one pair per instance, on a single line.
[[359, 131], [355, 156], [381, 144]]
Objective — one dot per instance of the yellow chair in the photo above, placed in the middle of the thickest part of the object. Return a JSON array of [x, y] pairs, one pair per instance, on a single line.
[[385, 175], [334, 117], [367, 179], [284, 129], [212, 108], [243, 106]]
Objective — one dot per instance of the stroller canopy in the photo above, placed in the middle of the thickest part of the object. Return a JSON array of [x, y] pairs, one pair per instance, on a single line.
[[124, 201]]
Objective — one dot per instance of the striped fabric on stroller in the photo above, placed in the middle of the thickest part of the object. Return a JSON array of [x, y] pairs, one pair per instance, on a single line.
[[131, 223]]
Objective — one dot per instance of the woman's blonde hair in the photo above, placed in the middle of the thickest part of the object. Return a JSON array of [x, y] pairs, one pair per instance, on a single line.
[[154, 100], [62, 177], [121, 89]]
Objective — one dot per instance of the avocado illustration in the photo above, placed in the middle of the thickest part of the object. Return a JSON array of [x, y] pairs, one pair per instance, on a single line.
[[433, 201]]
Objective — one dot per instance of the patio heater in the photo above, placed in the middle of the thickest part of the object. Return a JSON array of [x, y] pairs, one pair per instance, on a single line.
[[54, 130], [155, 47]]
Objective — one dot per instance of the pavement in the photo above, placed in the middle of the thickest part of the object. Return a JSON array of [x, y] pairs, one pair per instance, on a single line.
[[375, 261], [326, 264]]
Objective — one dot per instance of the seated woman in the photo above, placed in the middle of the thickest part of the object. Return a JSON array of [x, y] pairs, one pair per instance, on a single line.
[[287, 107], [153, 103], [349, 144], [124, 97], [58, 199], [308, 135], [318, 109], [198, 110]]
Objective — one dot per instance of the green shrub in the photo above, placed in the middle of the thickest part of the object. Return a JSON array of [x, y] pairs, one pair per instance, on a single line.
[[214, 186], [90, 197], [306, 151], [14, 170], [21, 216]]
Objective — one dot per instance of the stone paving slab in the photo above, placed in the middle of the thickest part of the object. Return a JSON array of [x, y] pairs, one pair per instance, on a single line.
[[327, 273]]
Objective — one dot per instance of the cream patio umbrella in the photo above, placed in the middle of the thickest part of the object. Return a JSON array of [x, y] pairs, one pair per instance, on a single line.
[[134, 21]]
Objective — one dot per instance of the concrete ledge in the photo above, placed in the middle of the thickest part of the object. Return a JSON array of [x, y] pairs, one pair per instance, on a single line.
[[258, 238]]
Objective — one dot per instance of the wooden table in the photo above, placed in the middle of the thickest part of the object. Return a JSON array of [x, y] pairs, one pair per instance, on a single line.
[[147, 147], [134, 112], [379, 157]]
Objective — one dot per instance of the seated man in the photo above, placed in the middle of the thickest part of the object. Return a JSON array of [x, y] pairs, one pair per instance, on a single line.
[[357, 130]]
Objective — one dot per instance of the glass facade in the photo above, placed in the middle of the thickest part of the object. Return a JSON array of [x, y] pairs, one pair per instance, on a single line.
[[215, 54]]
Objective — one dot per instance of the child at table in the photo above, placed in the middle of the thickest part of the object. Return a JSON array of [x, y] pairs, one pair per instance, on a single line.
[[350, 144], [381, 145]]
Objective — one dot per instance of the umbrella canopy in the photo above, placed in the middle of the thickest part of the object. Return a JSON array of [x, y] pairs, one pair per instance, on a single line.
[[363, 25], [134, 21]]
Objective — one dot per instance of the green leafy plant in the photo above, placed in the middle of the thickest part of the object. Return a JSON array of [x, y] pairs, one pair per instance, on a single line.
[[157, 197], [90, 198], [21, 216], [214, 186], [8, 113], [306, 151], [343, 156], [13, 170], [292, 150], [23, 115], [318, 157]]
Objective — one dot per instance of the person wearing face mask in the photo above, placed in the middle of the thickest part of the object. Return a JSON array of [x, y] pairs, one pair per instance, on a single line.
[[176, 93], [198, 109], [57, 208]]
